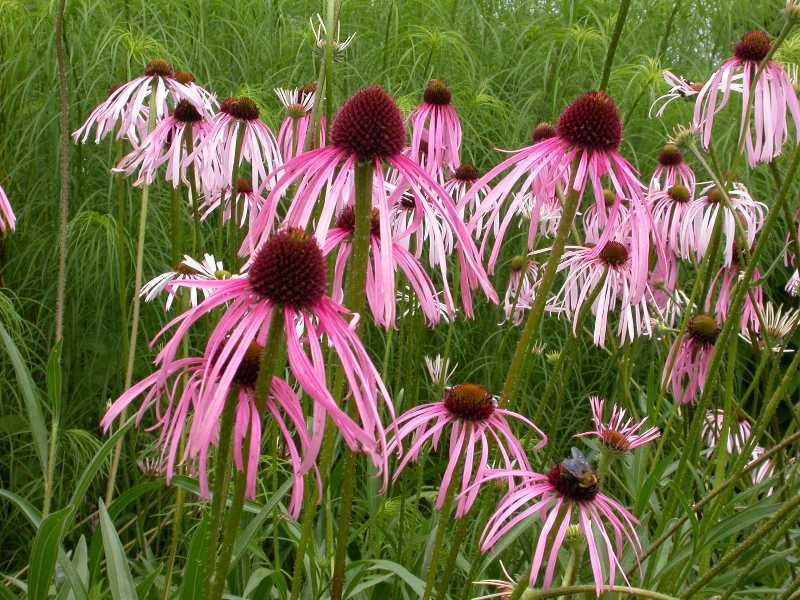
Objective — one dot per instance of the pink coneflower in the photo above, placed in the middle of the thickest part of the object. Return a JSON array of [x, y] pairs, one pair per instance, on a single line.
[[692, 358], [244, 204], [293, 132], [189, 269], [738, 432], [436, 123], [570, 486], [621, 433], [459, 184], [727, 278], [238, 116], [475, 421], [380, 290], [7, 219], [778, 326], [596, 222], [369, 127], [168, 143], [679, 88], [182, 401], [127, 105], [767, 131], [764, 471], [522, 284], [288, 274], [668, 208], [700, 216], [589, 133], [671, 170], [585, 266]]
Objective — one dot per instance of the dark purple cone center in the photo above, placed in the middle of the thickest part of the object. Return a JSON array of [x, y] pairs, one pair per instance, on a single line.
[[543, 131], [591, 122], [754, 45], [581, 488], [614, 254], [703, 329], [369, 125], [247, 373], [185, 112], [158, 67], [469, 401], [670, 156], [437, 93]]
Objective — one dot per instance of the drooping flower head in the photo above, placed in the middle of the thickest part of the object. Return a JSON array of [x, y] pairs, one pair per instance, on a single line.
[[188, 269], [288, 274], [721, 294], [738, 432], [293, 132], [765, 130], [7, 219], [522, 285], [570, 488], [475, 424], [620, 433], [369, 128], [381, 292], [241, 205], [126, 107], [691, 358], [668, 208], [778, 328], [679, 88], [671, 171], [435, 123]]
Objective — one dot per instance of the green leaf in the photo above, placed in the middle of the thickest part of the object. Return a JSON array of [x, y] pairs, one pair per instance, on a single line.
[[28, 509], [80, 570], [414, 582], [54, 378], [31, 397], [44, 554], [119, 575], [193, 575], [256, 523]]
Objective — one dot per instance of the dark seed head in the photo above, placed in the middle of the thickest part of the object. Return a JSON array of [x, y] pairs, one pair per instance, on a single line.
[[591, 122], [615, 440], [244, 186], [467, 172], [347, 220], [609, 197], [227, 105], [308, 89], [247, 373], [703, 329], [754, 45], [714, 196], [519, 263], [437, 93], [289, 270], [614, 254], [243, 108], [185, 112], [575, 480], [184, 77], [369, 125], [469, 401], [670, 156], [678, 193], [158, 67], [543, 131]]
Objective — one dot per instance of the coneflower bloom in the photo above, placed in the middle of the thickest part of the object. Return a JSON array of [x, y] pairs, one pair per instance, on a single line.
[[168, 143], [679, 88], [778, 326], [620, 433], [243, 206], [187, 78], [570, 487], [293, 132], [765, 129], [369, 127], [189, 269], [182, 402], [728, 277], [459, 184], [589, 133], [7, 219], [439, 369], [700, 216], [691, 358], [321, 37], [668, 208], [672, 170], [585, 267], [596, 222], [764, 471], [476, 424], [522, 284], [127, 104], [435, 122], [238, 116], [288, 274], [738, 432], [380, 291]]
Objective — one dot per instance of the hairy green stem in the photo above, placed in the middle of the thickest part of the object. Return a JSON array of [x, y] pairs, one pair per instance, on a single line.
[[583, 589], [452, 556], [63, 168], [622, 15], [438, 540]]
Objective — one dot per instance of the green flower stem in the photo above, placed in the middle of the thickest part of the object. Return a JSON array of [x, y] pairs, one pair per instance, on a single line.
[[521, 587], [355, 300], [622, 15], [572, 590], [122, 257], [441, 529], [233, 221], [270, 357], [574, 564], [134, 323], [450, 563], [177, 227], [773, 524], [190, 174], [534, 319]]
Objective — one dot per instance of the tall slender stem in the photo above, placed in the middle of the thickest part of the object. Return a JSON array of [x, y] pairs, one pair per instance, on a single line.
[[452, 557], [569, 208], [355, 299], [137, 288], [441, 529], [622, 15], [63, 168]]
